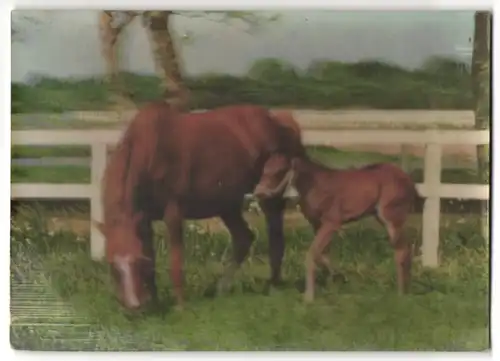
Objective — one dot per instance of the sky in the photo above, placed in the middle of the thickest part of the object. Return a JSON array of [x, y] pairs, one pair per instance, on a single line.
[[65, 43]]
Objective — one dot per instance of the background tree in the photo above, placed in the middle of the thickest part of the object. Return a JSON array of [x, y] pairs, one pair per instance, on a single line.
[[481, 92], [164, 46]]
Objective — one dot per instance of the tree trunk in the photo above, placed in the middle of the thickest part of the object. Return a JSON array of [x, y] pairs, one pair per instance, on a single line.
[[481, 91], [109, 32], [165, 56]]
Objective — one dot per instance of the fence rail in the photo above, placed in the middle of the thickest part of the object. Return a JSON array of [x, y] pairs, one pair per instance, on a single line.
[[431, 188]]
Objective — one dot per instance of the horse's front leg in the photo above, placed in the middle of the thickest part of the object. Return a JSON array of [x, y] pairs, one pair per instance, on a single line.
[[174, 222], [315, 253], [146, 235], [274, 209]]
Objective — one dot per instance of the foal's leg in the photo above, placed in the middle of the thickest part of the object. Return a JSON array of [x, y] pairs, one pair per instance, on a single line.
[[323, 258], [273, 211], [393, 218], [314, 254], [146, 235], [242, 238], [174, 221]]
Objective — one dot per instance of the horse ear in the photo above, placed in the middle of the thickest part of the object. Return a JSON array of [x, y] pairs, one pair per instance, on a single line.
[[98, 225]]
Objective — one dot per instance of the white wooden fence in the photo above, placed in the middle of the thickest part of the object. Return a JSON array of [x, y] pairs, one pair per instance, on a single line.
[[431, 188]]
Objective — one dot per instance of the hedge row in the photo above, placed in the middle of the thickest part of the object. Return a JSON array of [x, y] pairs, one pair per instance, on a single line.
[[439, 84]]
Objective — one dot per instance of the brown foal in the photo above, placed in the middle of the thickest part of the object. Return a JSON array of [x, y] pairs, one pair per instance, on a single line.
[[329, 198]]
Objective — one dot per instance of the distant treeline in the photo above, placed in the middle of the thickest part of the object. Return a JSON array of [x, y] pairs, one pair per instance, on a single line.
[[441, 83]]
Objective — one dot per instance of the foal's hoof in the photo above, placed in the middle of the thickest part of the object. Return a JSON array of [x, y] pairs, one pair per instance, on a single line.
[[308, 298]]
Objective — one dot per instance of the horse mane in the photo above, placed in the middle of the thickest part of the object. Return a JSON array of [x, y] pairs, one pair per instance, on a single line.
[[290, 133], [134, 154], [115, 177]]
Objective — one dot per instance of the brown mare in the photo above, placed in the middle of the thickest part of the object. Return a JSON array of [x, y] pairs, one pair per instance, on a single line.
[[174, 166], [329, 198]]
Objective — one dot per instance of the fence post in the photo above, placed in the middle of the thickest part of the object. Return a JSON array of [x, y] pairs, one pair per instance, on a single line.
[[97, 240], [431, 212]]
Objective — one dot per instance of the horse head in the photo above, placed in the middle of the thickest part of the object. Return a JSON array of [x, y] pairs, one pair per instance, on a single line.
[[130, 267]]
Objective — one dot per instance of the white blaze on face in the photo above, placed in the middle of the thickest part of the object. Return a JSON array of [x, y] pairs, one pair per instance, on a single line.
[[123, 264]]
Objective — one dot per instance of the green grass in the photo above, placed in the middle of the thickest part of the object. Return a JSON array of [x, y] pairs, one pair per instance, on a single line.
[[447, 309], [56, 174], [30, 151], [51, 122]]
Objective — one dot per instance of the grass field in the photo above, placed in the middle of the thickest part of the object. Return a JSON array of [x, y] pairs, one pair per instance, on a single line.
[[447, 309]]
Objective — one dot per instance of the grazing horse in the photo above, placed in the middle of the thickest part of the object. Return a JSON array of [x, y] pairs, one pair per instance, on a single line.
[[329, 198], [174, 166]]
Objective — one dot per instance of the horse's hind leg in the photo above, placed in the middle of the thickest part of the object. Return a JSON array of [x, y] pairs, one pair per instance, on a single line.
[[274, 210], [393, 218], [242, 238]]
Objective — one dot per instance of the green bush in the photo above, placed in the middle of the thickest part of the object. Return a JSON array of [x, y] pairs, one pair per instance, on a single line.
[[439, 84]]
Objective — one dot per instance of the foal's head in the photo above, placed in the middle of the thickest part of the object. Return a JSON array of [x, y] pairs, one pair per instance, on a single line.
[[276, 176], [129, 266]]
